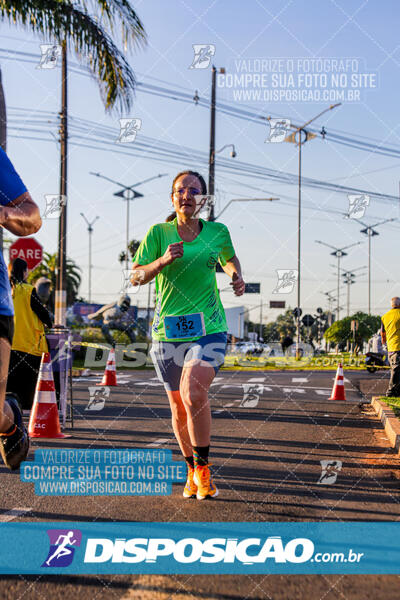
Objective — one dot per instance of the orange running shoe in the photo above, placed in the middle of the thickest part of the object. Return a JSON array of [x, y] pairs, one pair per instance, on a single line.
[[205, 485], [190, 487]]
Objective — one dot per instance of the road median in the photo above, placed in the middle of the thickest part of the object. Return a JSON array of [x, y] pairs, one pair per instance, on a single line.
[[389, 420]]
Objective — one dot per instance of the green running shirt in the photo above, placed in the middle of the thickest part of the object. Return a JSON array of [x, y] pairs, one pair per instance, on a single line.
[[188, 285]]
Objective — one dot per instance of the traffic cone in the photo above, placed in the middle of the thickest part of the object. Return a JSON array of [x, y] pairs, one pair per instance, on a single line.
[[338, 392], [110, 373], [44, 421]]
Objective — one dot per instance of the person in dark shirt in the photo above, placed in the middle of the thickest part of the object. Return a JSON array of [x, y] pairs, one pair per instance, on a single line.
[[29, 341]]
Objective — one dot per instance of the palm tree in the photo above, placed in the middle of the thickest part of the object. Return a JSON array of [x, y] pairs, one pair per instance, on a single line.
[[89, 36], [47, 268], [133, 246]]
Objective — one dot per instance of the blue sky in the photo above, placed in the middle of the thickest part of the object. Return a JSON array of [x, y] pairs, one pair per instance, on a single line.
[[264, 234]]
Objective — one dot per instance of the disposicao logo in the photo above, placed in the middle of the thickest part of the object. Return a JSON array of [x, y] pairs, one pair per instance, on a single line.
[[62, 547], [189, 550]]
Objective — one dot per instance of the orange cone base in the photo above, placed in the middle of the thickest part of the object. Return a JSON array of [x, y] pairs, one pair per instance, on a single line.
[[338, 394], [110, 379], [44, 422]]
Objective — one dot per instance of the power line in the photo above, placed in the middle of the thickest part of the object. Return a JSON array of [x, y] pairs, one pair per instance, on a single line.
[[358, 142], [155, 149]]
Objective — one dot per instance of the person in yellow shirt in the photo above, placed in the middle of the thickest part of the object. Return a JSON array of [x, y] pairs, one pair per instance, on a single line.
[[390, 331], [29, 341]]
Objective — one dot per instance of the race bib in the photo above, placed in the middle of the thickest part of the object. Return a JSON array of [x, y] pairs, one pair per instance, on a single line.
[[184, 326]]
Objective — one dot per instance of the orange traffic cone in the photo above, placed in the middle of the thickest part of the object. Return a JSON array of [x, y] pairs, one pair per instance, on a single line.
[[338, 392], [110, 374], [44, 421]]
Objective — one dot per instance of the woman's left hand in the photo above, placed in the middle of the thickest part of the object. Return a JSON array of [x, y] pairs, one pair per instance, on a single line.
[[238, 284]]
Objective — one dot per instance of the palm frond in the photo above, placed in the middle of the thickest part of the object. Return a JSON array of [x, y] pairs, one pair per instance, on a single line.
[[132, 30], [94, 47]]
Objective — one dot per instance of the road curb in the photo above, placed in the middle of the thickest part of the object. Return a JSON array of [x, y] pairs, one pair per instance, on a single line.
[[389, 421]]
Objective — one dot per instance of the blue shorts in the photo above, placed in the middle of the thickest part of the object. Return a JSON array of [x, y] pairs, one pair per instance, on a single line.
[[169, 358]]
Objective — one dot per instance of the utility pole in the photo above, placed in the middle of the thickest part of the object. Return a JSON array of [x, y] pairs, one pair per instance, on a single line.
[[370, 232], [148, 310], [260, 332], [61, 288], [338, 253], [90, 231], [296, 138], [3, 136], [211, 160]]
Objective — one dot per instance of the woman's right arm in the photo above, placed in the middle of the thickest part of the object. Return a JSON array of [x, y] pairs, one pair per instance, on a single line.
[[142, 274]]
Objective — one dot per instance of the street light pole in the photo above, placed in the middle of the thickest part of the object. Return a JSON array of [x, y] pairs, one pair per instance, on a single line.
[[349, 279], [300, 142], [338, 253], [128, 193], [90, 231], [299, 251], [370, 232]]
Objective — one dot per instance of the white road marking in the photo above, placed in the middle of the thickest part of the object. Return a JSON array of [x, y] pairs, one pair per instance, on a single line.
[[294, 390], [157, 443], [13, 514], [323, 392], [149, 383], [256, 379], [276, 385], [299, 380]]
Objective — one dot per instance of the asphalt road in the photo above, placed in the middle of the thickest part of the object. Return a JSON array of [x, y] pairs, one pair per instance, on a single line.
[[266, 450]]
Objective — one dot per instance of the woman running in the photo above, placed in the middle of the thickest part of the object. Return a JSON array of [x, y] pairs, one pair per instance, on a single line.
[[189, 327]]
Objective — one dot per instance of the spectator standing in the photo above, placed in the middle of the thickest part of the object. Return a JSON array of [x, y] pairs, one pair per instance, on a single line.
[[391, 336], [29, 341]]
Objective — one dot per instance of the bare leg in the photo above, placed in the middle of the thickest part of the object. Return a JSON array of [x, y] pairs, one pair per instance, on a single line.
[[6, 414], [179, 422], [196, 379]]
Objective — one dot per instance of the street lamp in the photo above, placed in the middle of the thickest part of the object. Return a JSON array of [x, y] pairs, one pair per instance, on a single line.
[[292, 138], [349, 279], [233, 151], [339, 253], [370, 231], [128, 193], [331, 300], [90, 231], [244, 200]]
